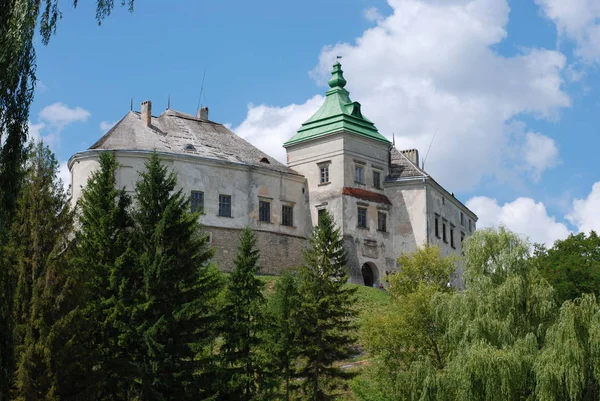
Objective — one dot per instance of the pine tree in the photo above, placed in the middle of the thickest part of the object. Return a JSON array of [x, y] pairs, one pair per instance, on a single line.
[[93, 363], [37, 243], [280, 333], [243, 324], [324, 320], [177, 316]]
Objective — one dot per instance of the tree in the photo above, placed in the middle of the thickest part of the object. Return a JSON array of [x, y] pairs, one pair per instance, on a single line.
[[93, 361], [572, 266], [324, 320], [36, 249], [280, 334], [177, 314], [243, 325], [18, 19]]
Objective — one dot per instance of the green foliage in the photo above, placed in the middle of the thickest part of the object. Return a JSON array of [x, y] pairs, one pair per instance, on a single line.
[[93, 361], [324, 319], [280, 333], [176, 316], [36, 250], [572, 266], [243, 325]]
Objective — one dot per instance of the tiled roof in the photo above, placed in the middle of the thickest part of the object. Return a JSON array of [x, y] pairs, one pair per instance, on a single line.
[[402, 167], [180, 133], [366, 195]]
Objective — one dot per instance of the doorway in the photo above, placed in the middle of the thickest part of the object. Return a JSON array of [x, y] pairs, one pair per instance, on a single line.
[[369, 274]]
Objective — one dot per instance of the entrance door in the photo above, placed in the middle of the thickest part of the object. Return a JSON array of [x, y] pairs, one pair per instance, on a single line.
[[368, 276]]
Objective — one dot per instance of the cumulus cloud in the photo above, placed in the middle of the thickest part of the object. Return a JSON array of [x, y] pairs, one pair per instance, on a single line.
[[585, 214], [35, 131], [64, 174], [372, 14], [106, 125], [523, 216], [59, 115], [268, 127], [431, 66], [539, 153], [579, 21]]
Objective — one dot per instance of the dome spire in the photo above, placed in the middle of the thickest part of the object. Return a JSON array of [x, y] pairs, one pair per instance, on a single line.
[[337, 76]]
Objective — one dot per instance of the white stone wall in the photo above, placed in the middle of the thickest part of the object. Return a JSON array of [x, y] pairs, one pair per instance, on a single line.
[[246, 186]]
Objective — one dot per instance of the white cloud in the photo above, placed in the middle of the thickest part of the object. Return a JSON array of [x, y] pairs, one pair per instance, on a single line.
[[64, 174], [268, 127], [35, 131], [106, 125], [523, 216], [579, 21], [372, 14], [539, 153], [431, 66], [585, 214], [60, 115]]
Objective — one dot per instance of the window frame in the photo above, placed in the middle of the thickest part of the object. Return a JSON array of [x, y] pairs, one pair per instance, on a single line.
[[381, 227], [444, 226], [290, 215], [224, 205], [377, 183], [201, 202], [436, 225], [452, 244], [360, 168], [361, 211], [324, 170], [261, 210]]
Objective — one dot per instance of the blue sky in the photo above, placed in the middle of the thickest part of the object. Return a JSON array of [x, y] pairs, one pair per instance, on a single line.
[[508, 88]]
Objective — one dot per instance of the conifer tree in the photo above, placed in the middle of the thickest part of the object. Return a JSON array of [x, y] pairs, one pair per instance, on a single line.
[[243, 325], [36, 249], [324, 319], [93, 363], [280, 333], [177, 316]]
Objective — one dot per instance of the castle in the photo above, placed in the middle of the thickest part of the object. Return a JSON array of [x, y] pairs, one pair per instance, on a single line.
[[383, 202]]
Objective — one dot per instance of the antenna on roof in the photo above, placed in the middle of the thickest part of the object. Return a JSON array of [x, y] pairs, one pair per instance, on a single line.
[[131, 105], [201, 89], [428, 149], [169, 102]]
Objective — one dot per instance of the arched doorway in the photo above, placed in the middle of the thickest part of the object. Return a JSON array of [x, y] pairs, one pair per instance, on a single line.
[[369, 273]]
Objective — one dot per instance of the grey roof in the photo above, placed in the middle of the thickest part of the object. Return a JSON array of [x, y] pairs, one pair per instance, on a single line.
[[402, 167], [180, 133]]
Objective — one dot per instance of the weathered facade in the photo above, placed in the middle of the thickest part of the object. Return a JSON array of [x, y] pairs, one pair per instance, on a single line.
[[383, 202]]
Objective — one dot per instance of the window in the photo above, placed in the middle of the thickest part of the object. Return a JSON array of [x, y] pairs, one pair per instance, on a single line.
[[360, 175], [470, 226], [362, 217], [324, 174], [197, 201], [452, 236], [264, 211], [443, 200], [382, 221], [287, 215], [462, 219], [225, 205], [462, 238], [320, 214], [444, 237], [377, 179], [437, 226]]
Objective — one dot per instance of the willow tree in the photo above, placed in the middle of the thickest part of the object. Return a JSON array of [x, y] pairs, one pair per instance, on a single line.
[[18, 22]]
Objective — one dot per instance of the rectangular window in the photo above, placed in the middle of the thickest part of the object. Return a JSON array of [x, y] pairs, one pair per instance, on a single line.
[[320, 214], [437, 226], [382, 221], [264, 211], [362, 217], [360, 175], [444, 237], [197, 201], [324, 174], [470, 226], [452, 236], [462, 237], [287, 215], [377, 179], [462, 219], [225, 205]]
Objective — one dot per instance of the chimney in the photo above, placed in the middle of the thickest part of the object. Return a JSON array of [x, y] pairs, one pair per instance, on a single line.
[[146, 112], [412, 155], [203, 113]]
